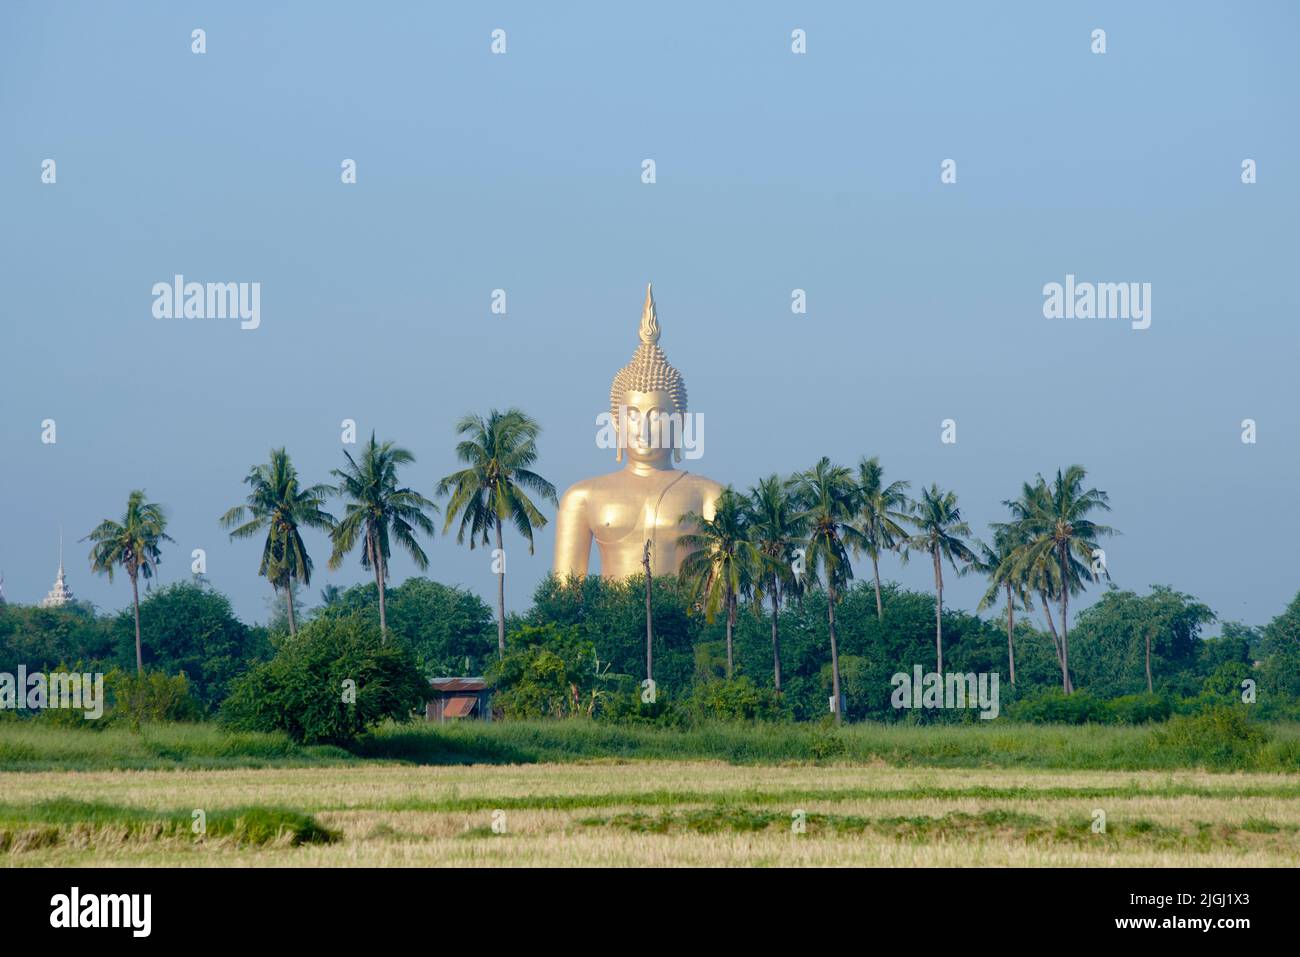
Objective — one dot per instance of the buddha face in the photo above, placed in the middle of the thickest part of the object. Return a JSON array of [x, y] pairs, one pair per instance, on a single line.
[[652, 429]]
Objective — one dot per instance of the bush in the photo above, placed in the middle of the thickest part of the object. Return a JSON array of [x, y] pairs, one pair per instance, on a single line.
[[1055, 707], [331, 683], [150, 698], [1220, 737], [80, 700], [129, 699], [826, 741], [627, 707], [551, 671], [1138, 708], [736, 700], [1227, 679]]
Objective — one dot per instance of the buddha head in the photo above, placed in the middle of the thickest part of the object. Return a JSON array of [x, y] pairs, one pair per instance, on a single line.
[[653, 395]]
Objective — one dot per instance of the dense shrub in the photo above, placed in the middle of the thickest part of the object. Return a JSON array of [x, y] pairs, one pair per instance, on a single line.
[[1053, 706], [1138, 708], [736, 700], [150, 698], [1227, 679], [630, 707], [128, 699], [332, 682], [551, 671], [826, 742], [1217, 737]]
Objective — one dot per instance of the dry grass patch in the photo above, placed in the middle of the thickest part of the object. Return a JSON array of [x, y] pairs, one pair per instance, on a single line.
[[661, 813]]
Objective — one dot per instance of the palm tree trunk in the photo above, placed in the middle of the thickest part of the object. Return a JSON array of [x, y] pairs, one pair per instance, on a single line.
[[1065, 631], [288, 597], [776, 638], [938, 613], [1051, 625], [875, 570], [731, 624], [649, 619], [377, 560], [835, 655], [1011, 628], [501, 596], [135, 600]]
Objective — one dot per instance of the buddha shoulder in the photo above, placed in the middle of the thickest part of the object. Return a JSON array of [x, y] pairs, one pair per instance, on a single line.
[[577, 494], [699, 483], [697, 489]]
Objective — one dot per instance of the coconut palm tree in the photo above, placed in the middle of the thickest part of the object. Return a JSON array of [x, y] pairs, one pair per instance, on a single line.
[[1057, 534], [939, 533], [718, 569], [882, 511], [377, 508], [1038, 577], [277, 503], [491, 490], [132, 543], [828, 500], [997, 562], [775, 531]]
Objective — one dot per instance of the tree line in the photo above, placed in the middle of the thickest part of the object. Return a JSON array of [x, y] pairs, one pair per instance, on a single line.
[[784, 538], [786, 535], [583, 642], [492, 489]]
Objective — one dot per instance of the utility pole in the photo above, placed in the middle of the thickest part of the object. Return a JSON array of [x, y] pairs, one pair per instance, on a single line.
[[649, 631]]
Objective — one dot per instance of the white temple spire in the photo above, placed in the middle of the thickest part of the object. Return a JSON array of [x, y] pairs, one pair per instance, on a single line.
[[60, 594]]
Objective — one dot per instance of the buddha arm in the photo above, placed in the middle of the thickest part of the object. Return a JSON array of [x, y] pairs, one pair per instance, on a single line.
[[572, 534], [710, 504]]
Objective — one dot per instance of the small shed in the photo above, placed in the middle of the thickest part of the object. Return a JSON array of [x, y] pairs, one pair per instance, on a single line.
[[459, 698]]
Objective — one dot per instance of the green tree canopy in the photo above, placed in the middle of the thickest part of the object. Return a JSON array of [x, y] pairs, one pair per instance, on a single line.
[[333, 681], [448, 629], [1111, 635], [191, 628]]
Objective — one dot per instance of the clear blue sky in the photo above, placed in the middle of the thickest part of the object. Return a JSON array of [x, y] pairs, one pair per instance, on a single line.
[[775, 172]]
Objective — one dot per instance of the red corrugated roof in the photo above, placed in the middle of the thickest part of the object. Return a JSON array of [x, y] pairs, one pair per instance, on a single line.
[[459, 684], [459, 707]]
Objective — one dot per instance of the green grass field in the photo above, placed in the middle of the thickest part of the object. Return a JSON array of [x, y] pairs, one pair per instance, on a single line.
[[579, 793], [32, 746]]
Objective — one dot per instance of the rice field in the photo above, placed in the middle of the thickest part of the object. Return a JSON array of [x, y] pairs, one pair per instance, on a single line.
[[648, 813]]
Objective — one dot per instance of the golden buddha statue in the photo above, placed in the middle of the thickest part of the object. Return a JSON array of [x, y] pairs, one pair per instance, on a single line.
[[645, 500]]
